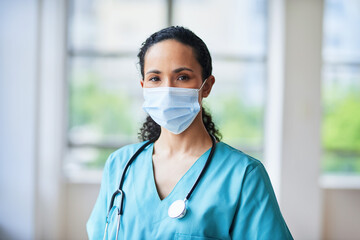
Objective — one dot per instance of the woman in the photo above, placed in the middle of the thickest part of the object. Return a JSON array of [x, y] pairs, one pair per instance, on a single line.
[[184, 183]]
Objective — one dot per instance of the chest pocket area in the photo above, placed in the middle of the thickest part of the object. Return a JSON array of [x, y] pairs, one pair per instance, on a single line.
[[182, 236]]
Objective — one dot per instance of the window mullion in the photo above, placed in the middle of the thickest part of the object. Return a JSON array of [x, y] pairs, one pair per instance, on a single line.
[[170, 16]]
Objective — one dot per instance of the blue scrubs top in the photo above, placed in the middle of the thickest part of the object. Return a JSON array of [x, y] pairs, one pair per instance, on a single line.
[[233, 200]]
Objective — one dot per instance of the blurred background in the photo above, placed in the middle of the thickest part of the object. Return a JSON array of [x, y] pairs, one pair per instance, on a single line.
[[287, 92]]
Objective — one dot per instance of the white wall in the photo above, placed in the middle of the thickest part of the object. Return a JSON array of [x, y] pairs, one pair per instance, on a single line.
[[51, 120], [293, 113], [341, 215], [301, 149], [18, 111], [31, 118], [79, 202]]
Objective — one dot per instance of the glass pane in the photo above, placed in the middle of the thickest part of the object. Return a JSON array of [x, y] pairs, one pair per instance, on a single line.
[[87, 157], [104, 94], [341, 118], [237, 103], [236, 35], [228, 27], [105, 100], [341, 30], [108, 25]]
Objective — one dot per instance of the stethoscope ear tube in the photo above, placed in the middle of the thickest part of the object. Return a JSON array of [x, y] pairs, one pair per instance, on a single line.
[[130, 161], [118, 191], [204, 168]]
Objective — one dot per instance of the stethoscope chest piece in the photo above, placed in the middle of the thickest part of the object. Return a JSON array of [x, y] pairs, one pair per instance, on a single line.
[[177, 209]]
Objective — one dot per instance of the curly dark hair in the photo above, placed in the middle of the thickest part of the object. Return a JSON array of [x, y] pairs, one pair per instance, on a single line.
[[150, 129]]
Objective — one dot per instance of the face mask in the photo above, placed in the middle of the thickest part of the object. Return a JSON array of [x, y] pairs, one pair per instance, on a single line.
[[171, 107]]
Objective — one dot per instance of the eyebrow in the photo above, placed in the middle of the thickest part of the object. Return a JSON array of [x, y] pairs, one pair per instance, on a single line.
[[153, 71], [182, 69], [177, 70]]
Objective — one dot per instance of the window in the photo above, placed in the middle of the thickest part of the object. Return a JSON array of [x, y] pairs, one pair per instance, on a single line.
[[235, 33], [105, 97], [341, 87]]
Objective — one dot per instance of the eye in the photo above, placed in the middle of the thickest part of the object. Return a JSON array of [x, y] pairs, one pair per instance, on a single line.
[[183, 78], [154, 79]]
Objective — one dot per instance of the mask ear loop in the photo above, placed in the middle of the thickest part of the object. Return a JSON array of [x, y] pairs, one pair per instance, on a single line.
[[198, 90], [202, 85]]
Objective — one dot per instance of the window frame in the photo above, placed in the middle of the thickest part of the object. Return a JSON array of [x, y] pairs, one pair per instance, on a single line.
[[94, 175]]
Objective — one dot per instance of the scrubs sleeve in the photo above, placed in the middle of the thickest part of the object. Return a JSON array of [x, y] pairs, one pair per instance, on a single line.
[[96, 224], [258, 215]]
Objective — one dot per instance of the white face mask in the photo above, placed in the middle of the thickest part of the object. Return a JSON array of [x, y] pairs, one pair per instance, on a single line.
[[171, 107]]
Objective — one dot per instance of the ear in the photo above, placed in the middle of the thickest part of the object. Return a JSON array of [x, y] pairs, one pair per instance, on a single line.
[[142, 83], [208, 86]]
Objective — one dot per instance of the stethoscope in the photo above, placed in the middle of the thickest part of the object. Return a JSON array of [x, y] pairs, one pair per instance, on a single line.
[[176, 210]]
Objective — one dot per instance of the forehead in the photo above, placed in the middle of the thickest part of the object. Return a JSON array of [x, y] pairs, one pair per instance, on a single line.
[[170, 53]]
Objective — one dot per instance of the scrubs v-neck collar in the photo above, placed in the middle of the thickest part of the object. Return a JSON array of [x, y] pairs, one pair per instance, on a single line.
[[147, 196]]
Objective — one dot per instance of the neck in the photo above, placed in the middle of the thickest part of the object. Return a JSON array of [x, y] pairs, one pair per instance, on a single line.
[[193, 140]]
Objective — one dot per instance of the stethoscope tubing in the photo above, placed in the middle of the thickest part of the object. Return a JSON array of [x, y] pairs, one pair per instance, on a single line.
[[119, 190], [204, 168]]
